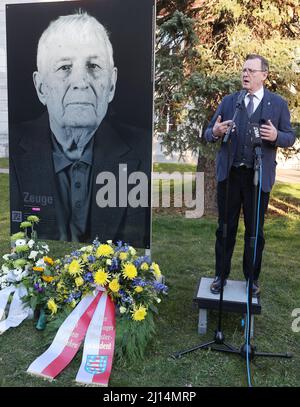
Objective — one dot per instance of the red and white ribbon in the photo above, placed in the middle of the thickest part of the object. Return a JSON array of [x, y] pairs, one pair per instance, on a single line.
[[99, 344], [67, 340]]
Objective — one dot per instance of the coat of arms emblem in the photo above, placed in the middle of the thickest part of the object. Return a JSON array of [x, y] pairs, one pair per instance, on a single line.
[[95, 364]]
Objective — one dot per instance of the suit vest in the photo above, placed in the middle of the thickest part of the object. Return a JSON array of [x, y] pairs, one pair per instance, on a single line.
[[244, 153]]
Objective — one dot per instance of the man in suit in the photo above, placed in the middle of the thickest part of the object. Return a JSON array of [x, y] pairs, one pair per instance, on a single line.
[[270, 111], [59, 161]]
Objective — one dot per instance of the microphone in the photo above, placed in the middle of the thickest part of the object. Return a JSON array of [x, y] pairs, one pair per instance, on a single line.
[[256, 142], [240, 99], [255, 135], [238, 106]]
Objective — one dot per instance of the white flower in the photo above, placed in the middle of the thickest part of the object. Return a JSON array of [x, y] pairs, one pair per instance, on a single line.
[[122, 310], [6, 257], [108, 262], [31, 243], [20, 242], [5, 269], [46, 248], [33, 254], [132, 251], [109, 241], [158, 300], [40, 263]]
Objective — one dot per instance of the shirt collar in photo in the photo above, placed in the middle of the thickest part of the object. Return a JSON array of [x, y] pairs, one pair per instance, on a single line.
[[61, 161]]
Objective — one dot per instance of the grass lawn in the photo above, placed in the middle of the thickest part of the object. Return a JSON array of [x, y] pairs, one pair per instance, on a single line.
[[4, 162], [184, 248]]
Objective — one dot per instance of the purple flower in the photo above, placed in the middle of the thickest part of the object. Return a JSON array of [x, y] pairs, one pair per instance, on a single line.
[[38, 288]]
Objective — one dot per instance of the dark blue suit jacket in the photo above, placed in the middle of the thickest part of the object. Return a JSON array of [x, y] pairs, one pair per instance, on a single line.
[[274, 108]]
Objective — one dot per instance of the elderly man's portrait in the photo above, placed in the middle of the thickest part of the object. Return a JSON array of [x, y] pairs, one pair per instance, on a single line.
[[80, 130]]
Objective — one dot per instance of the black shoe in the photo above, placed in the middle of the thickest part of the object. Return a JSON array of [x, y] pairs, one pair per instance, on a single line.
[[255, 289], [215, 286]]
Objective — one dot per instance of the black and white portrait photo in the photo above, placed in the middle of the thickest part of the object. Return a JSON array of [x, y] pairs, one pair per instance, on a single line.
[[80, 101]]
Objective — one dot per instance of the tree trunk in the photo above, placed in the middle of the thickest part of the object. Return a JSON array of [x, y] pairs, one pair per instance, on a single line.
[[207, 165]]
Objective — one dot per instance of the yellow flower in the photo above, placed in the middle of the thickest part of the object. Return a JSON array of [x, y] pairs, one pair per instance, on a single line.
[[38, 268], [75, 268], [79, 281], [73, 303], [144, 266], [60, 286], [48, 260], [156, 269], [129, 271], [84, 257], [114, 285], [104, 250], [52, 306], [123, 255], [139, 313], [138, 289], [101, 277], [48, 279]]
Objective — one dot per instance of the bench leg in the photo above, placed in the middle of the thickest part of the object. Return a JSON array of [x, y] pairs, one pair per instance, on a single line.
[[252, 326], [202, 323]]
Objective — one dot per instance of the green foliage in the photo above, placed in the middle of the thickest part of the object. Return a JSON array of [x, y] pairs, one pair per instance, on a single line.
[[201, 47], [133, 337]]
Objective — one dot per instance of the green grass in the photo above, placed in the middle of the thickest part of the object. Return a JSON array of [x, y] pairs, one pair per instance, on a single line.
[[172, 167], [185, 251], [287, 191], [3, 162]]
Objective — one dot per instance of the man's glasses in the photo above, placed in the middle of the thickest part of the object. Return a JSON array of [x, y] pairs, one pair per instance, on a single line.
[[251, 71]]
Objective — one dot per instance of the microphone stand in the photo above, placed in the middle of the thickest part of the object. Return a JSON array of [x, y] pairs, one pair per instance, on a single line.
[[218, 343], [247, 349]]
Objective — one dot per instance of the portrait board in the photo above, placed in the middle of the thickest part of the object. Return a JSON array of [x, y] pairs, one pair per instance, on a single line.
[[80, 106]]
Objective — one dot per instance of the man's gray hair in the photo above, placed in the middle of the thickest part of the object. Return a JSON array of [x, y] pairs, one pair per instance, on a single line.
[[79, 22], [263, 61]]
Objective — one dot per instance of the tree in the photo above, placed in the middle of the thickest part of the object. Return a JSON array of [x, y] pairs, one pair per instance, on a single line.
[[201, 46]]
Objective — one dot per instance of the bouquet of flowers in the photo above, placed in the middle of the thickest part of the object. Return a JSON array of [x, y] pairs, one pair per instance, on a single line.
[[28, 264], [134, 284]]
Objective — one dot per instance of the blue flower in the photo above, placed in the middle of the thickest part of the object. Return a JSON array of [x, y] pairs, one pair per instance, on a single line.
[[70, 298], [96, 242], [76, 253], [91, 259], [139, 281], [114, 264], [160, 287], [88, 277]]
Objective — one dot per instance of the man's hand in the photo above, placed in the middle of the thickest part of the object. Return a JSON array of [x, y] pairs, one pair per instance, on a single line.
[[268, 132], [220, 128]]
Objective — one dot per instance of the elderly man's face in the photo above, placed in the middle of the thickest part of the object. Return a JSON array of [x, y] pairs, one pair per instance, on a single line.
[[77, 82], [253, 76]]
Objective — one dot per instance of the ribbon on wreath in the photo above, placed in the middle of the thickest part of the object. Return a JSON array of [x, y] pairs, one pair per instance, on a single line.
[[18, 311], [92, 319]]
